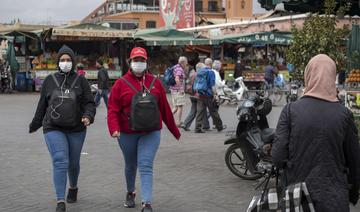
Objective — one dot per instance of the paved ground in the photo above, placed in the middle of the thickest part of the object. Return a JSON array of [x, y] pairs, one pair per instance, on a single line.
[[190, 175]]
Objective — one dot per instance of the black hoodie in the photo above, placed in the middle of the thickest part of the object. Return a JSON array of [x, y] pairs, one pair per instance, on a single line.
[[82, 89]]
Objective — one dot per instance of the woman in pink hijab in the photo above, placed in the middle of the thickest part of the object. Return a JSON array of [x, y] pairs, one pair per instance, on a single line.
[[316, 141]]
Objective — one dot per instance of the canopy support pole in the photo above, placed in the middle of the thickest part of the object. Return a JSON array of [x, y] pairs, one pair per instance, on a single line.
[[222, 53]]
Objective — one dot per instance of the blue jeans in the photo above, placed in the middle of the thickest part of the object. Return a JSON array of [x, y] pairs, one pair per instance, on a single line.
[[139, 150], [104, 94], [65, 151]]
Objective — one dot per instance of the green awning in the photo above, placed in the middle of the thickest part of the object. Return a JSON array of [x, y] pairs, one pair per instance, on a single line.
[[354, 46], [261, 38], [171, 37], [10, 56], [21, 33]]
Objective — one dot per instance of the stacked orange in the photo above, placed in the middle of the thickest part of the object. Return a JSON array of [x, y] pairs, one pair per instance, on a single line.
[[354, 76]]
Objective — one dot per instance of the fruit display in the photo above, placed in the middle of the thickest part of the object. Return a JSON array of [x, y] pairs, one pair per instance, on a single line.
[[227, 66], [48, 62], [354, 76], [352, 101], [44, 63], [253, 76]]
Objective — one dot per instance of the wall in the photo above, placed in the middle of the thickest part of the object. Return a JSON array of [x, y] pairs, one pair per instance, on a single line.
[[253, 26], [234, 8], [141, 17]]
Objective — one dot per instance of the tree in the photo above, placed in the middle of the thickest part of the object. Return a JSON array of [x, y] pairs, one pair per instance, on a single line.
[[319, 35]]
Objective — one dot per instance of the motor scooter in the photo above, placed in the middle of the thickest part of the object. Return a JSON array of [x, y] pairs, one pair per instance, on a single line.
[[292, 96], [233, 96], [250, 144]]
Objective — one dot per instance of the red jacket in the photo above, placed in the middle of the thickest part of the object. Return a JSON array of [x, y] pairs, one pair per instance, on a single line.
[[120, 103]]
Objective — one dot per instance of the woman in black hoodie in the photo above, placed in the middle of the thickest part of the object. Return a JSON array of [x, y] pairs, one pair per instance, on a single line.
[[66, 107], [317, 141]]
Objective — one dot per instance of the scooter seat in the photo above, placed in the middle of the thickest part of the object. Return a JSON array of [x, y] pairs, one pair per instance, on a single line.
[[268, 135]]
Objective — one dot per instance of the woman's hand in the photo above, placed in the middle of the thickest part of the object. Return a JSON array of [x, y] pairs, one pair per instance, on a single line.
[[116, 134], [85, 121]]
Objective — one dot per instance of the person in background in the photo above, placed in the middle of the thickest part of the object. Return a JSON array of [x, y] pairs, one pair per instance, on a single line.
[[317, 142], [80, 69], [205, 100], [270, 73], [64, 124], [102, 83], [139, 148], [193, 99], [239, 68], [219, 84], [178, 90]]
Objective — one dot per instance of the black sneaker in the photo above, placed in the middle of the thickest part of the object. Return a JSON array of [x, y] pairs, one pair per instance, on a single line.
[[72, 195], [60, 207], [199, 131], [221, 128], [146, 208], [130, 200]]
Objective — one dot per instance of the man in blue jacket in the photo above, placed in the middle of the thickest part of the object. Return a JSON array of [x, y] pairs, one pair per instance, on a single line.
[[205, 99]]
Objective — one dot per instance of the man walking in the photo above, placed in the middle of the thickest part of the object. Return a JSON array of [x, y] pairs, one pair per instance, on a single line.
[[204, 87], [178, 90], [193, 111], [103, 84], [219, 84]]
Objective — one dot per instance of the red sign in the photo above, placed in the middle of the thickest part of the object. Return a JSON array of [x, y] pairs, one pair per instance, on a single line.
[[178, 13]]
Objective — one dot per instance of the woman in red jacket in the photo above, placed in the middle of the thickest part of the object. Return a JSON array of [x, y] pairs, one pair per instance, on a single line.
[[139, 148]]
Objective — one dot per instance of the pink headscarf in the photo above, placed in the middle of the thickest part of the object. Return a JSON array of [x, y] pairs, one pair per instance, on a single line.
[[320, 77]]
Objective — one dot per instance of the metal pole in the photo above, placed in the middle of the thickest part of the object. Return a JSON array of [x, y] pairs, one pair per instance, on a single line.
[[222, 52]]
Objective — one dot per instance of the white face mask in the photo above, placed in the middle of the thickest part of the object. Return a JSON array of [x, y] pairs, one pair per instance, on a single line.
[[65, 66], [138, 67]]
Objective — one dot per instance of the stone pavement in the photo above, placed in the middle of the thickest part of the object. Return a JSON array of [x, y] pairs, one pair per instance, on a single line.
[[189, 175]]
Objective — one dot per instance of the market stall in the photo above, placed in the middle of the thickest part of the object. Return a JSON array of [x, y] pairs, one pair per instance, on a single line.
[[90, 42], [25, 45], [351, 91], [172, 43], [255, 50]]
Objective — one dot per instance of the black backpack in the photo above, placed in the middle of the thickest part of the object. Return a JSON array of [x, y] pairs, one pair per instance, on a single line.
[[63, 110], [144, 114]]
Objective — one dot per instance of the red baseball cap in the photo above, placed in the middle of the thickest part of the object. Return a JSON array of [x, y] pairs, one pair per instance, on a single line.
[[138, 52]]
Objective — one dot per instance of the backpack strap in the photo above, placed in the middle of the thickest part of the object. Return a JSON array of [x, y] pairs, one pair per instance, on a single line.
[[55, 80], [129, 84], [152, 84], [73, 84]]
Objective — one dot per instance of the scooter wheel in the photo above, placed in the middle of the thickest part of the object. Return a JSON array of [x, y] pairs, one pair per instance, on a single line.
[[236, 162]]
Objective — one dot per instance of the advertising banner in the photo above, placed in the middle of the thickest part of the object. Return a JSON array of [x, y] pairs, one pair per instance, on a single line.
[[177, 13]]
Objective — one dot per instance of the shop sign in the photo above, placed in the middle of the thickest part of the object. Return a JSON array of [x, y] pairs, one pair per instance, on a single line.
[[91, 33], [266, 38], [177, 13], [72, 38]]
